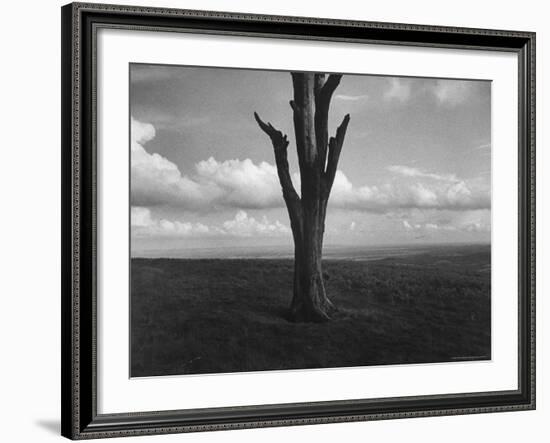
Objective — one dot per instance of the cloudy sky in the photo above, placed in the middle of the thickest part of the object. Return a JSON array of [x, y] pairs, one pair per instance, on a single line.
[[415, 166]]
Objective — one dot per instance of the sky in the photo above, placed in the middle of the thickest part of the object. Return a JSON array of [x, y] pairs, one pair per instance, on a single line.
[[415, 167]]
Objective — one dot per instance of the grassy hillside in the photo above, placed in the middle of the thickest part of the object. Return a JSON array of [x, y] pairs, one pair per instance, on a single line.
[[208, 316]]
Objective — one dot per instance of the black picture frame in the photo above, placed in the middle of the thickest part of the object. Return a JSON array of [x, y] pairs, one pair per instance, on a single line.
[[79, 173]]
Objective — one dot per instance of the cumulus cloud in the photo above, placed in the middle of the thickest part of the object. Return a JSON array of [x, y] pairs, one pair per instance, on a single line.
[[476, 221], [157, 181], [451, 92], [140, 217], [409, 227], [446, 92], [144, 224], [408, 171], [426, 226], [351, 98], [245, 226], [242, 184], [389, 197], [141, 132], [399, 89]]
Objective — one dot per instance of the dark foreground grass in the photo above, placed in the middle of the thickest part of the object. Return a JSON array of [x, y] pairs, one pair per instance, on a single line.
[[209, 316]]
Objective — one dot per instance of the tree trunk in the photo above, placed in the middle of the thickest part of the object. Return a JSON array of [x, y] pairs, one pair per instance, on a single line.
[[309, 300], [318, 158]]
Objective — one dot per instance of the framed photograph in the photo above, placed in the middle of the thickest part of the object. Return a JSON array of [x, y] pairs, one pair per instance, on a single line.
[[274, 221]]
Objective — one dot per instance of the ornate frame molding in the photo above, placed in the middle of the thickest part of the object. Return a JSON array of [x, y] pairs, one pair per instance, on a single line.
[[79, 392]]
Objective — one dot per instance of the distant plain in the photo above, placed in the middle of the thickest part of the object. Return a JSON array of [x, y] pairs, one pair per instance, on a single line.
[[397, 305]]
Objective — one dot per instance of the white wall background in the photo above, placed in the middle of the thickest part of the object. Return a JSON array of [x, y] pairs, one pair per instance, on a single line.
[[30, 220]]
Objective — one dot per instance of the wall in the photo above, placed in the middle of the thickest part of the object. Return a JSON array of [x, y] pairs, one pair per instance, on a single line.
[[29, 322]]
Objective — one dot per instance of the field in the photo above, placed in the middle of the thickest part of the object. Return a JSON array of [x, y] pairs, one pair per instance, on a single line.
[[192, 316]]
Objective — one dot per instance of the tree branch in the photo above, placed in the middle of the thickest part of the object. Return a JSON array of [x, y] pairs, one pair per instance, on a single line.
[[280, 144], [330, 85], [319, 82], [323, 94], [295, 107], [334, 150], [303, 105], [277, 137]]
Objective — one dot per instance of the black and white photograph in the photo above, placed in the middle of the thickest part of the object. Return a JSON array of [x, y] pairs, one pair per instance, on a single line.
[[301, 220], [279, 221]]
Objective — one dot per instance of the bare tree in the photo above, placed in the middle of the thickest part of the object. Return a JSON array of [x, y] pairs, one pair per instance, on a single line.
[[318, 159]]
